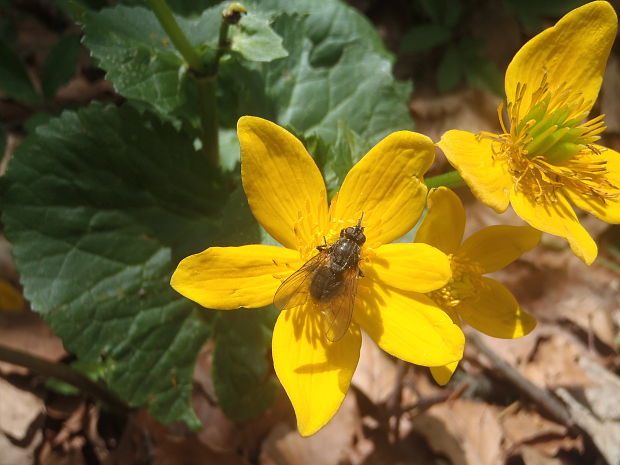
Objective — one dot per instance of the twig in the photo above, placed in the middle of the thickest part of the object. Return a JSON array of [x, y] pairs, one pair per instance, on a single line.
[[67, 374], [550, 405], [424, 403], [393, 403]]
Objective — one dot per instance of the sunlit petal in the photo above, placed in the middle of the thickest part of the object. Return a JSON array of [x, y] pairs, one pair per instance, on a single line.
[[444, 373], [607, 209], [495, 247], [408, 267], [281, 181], [315, 373], [409, 326], [225, 278], [444, 223], [556, 218], [486, 175], [387, 186], [496, 312], [573, 53]]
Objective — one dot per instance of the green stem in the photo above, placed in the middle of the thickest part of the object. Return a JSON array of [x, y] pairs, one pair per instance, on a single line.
[[450, 179], [64, 373], [208, 118], [204, 76], [170, 25]]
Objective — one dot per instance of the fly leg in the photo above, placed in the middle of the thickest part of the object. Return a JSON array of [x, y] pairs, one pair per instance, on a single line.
[[323, 246]]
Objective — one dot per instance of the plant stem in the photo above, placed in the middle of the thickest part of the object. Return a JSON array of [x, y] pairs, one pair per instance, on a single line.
[[64, 373], [450, 179], [205, 76], [208, 117], [170, 25]]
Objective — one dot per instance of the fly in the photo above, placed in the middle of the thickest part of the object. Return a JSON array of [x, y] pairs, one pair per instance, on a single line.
[[328, 281]]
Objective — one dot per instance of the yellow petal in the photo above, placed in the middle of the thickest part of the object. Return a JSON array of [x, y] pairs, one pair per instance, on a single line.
[[443, 374], [408, 267], [444, 223], [409, 326], [281, 181], [607, 210], [315, 373], [573, 53], [485, 174], [496, 312], [556, 218], [11, 300], [225, 278], [388, 186], [495, 247]]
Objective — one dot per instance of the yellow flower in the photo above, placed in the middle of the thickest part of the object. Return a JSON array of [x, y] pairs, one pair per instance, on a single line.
[[287, 195], [481, 302], [548, 158]]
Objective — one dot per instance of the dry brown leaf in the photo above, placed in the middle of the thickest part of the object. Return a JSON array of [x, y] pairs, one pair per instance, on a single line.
[[469, 110], [18, 409], [338, 441], [376, 373], [528, 429], [531, 456], [467, 432], [610, 94]]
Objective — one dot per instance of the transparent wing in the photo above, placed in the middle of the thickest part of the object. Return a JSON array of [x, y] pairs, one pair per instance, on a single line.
[[295, 290], [338, 310]]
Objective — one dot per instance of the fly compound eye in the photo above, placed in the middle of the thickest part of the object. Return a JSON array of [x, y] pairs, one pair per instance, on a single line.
[[361, 238]]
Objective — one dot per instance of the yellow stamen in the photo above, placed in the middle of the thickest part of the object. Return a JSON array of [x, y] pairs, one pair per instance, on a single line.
[[550, 147], [464, 285]]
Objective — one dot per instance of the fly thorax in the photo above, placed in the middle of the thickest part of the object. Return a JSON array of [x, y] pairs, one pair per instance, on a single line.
[[464, 286]]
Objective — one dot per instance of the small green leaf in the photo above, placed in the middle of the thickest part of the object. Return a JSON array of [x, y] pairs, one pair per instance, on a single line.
[[60, 64], [485, 74], [424, 37], [100, 205], [312, 89], [531, 13], [449, 71], [14, 80], [337, 159], [253, 38], [433, 9], [130, 44], [244, 382]]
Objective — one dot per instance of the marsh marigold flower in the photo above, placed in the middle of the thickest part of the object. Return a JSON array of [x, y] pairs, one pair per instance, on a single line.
[[470, 297], [546, 157], [287, 195]]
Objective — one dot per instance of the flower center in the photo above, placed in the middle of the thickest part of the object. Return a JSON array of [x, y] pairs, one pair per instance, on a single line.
[[551, 147], [464, 286]]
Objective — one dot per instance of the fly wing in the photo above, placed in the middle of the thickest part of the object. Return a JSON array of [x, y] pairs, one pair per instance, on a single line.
[[295, 290], [338, 310]]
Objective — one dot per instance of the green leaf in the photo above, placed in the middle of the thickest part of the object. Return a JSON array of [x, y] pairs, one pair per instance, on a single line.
[[60, 64], [100, 205], [531, 13], [433, 9], [485, 74], [454, 9], [313, 88], [424, 37], [336, 160], [140, 60], [255, 40], [14, 80], [244, 382], [449, 71]]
